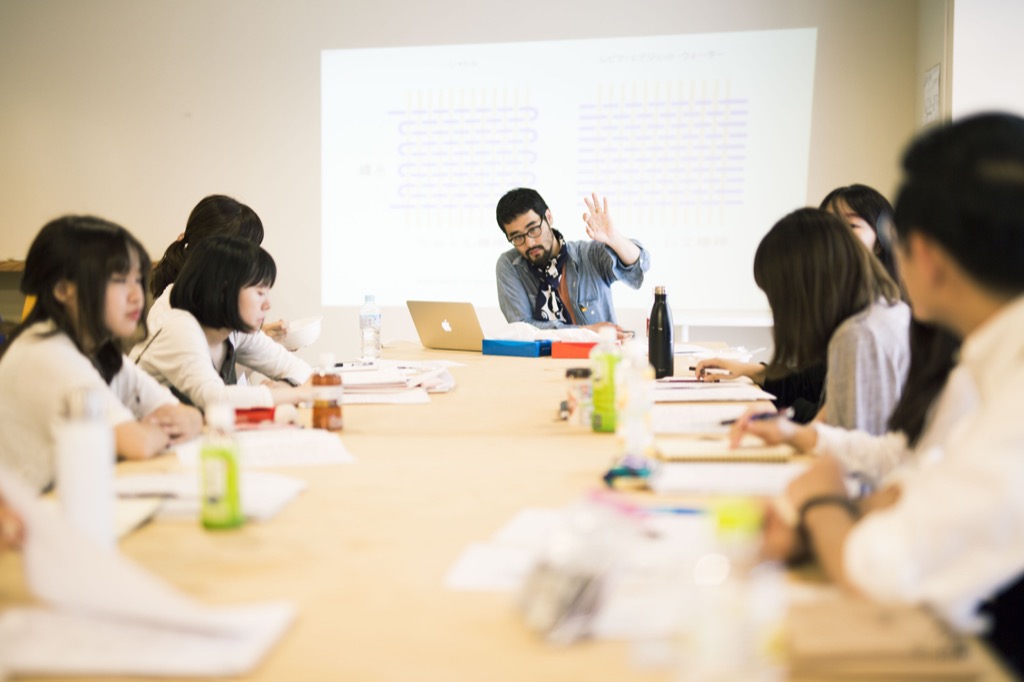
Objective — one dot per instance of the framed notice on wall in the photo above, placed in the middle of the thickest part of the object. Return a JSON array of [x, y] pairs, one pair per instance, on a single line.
[[930, 91]]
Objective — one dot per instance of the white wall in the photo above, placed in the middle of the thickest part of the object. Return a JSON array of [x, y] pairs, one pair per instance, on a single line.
[[988, 56], [135, 110]]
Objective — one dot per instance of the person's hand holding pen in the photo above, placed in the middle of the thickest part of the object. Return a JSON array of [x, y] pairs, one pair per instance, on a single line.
[[773, 428], [719, 369]]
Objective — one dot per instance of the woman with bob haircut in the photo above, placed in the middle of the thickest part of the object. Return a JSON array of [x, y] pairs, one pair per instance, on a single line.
[[87, 276], [215, 214], [219, 300], [869, 215], [833, 305]]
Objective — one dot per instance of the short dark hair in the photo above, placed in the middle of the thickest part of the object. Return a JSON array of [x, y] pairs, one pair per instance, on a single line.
[[963, 186], [85, 251], [815, 273], [215, 214], [516, 202], [875, 209], [214, 274]]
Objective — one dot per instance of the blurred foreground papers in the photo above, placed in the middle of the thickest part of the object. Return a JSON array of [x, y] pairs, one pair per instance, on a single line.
[[104, 615]]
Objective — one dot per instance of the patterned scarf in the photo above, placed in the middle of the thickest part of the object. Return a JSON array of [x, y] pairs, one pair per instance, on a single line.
[[548, 304]]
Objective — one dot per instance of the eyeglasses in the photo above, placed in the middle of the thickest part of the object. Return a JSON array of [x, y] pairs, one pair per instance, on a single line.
[[532, 233]]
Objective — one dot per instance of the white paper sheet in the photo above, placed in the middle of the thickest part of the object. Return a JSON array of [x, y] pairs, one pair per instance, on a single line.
[[411, 396], [278, 448], [96, 588], [735, 478], [490, 567], [668, 418], [263, 494], [710, 393]]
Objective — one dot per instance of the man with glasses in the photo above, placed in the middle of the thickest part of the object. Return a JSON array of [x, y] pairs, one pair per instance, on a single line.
[[552, 283]]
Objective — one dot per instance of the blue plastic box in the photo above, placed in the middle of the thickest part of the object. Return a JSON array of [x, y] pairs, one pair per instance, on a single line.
[[523, 349]]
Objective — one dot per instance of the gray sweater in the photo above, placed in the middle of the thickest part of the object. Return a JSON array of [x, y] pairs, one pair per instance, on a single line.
[[868, 358]]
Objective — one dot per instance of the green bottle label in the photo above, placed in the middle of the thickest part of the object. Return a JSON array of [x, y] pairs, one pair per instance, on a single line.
[[219, 486], [603, 417]]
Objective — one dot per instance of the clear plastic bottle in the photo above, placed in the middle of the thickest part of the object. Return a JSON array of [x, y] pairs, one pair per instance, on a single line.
[[634, 394], [84, 443], [219, 469], [604, 359], [660, 349], [369, 328], [740, 604], [327, 395]]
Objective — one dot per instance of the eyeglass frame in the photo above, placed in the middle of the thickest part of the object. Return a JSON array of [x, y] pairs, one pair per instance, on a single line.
[[532, 233]]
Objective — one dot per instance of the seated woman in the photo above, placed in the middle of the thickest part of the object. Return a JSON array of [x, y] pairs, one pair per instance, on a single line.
[[214, 214], [218, 301], [935, 396], [869, 215], [87, 276], [833, 305]]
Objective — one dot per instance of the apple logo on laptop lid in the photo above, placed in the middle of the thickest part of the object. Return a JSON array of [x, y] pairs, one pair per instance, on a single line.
[[445, 325]]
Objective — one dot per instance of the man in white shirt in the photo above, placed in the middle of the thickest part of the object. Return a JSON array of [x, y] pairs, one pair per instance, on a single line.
[[951, 536]]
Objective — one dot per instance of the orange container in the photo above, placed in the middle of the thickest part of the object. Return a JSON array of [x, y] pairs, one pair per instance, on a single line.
[[571, 349]]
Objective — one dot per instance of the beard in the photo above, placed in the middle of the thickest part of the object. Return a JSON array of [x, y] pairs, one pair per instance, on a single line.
[[539, 255]]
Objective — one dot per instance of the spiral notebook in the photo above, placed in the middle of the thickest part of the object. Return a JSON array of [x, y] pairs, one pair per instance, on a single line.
[[716, 449]]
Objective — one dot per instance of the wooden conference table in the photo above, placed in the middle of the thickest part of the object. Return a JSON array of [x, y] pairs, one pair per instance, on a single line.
[[364, 550]]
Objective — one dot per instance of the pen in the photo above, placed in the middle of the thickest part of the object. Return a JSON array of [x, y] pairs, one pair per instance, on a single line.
[[711, 370], [763, 416]]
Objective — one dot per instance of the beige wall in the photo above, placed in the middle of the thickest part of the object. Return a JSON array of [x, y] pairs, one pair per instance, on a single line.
[[135, 110]]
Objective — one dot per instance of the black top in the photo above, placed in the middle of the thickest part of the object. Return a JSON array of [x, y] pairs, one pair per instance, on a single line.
[[803, 391]]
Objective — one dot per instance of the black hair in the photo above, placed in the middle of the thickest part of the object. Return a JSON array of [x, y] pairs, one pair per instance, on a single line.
[[963, 186], [516, 202], [85, 251], [875, 209], [214, 275], [933, 354], [215, 214]]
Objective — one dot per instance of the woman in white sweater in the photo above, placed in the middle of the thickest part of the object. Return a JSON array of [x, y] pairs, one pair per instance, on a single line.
[[220, 298], [935, 396], [87, 276]]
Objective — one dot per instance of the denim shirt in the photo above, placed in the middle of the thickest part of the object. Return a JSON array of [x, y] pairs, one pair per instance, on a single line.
[[590, 269]]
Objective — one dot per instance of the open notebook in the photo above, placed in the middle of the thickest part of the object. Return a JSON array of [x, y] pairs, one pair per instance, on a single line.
[[716, 449]]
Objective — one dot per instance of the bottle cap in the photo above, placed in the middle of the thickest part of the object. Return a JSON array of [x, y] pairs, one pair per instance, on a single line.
[[220, 416], [659, 290], [369, 298]]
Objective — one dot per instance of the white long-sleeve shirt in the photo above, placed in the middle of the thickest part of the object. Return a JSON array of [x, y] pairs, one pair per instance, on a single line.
[[885, 458], [36, 374], [955, 537], [177, 354]]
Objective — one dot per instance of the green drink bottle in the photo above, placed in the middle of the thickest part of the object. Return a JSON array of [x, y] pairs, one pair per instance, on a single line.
[[604, 359], [219, 475]]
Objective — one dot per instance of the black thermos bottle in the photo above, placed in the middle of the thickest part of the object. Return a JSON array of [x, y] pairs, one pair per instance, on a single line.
[[659, 336]]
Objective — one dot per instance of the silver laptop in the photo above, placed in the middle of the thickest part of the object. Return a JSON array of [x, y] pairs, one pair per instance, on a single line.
[[447, 326]]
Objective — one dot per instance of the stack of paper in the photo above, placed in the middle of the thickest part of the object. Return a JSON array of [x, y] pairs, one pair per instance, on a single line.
[[729, 478], [263, 494], [285, 447], [107, 616], [689, 390]]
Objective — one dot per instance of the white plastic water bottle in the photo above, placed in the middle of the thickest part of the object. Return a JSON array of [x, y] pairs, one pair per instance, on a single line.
[[634, 396], [85, 465], [369, 328]]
